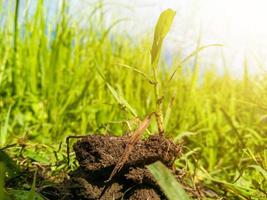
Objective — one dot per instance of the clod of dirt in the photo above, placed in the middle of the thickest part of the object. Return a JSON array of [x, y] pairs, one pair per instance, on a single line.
[[97, 153], [80, 188], [97, 157], [144, 194], [140, 175]]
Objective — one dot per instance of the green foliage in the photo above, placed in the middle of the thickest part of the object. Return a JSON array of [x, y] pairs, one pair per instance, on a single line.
[[168, 183], [24, 195], [11, 168], [3, 194], [4, 128], [57, 92], [162, 28], [31, 195]]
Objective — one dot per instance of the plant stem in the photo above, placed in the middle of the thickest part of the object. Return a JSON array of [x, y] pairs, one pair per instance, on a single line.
[[158, 98]]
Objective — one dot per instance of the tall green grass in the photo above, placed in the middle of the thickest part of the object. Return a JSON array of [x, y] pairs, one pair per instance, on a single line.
[[53, 83]]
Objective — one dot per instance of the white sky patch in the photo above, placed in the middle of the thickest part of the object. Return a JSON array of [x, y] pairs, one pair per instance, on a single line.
[[240, 25]]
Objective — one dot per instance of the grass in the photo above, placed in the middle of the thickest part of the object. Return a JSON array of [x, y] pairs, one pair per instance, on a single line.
[[172, 189], [58, 78]]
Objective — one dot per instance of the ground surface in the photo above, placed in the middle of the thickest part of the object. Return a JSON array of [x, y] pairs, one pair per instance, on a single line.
[[97, 157]]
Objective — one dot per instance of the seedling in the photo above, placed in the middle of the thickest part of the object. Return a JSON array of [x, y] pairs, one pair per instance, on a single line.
[[162, 28]]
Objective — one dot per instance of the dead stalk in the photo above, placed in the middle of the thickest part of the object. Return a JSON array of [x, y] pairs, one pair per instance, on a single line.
[[132, 141]]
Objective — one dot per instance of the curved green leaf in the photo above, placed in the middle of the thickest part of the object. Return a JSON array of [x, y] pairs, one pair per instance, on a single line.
[[168, 183], [162, 28]]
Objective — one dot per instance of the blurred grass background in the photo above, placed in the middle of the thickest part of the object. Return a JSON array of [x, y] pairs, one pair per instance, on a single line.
[[53, 83]]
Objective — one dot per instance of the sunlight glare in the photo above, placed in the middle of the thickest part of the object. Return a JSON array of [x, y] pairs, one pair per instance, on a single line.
[[243, 21], [239, 24]]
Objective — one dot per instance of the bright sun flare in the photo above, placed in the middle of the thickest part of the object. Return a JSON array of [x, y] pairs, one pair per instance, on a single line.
[[243, 21], [240, 25]]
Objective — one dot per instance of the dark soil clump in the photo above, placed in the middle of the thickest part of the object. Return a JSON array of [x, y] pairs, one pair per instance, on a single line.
[[145, 193], [97, 157], [98, 153]]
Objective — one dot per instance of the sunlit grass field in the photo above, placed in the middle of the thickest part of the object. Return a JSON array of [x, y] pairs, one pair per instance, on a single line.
[[58, 78]]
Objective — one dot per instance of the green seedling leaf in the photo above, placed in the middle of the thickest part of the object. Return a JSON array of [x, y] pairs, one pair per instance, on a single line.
[[12, 169], [168, 183], [162, 28]]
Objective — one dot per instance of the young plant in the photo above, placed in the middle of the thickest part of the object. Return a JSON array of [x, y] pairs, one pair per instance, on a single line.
[[162, 28]]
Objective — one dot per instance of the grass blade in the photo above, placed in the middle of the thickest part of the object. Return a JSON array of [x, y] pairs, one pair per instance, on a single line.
[[120, 100], [194, 53], [162, 28], [137, 71], [168, 183], [4, 129], [259, 169], [32, 191]]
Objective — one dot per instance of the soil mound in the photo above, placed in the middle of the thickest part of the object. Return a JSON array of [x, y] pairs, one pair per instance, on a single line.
[[97, 157]]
